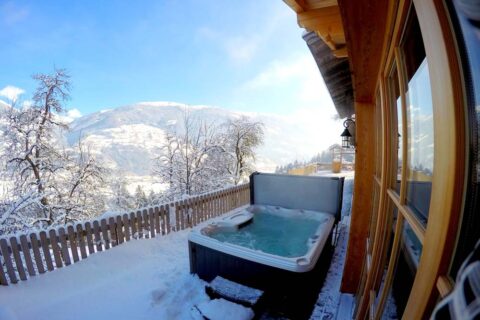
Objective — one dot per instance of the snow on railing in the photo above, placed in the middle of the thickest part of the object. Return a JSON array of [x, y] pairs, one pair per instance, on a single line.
[[26, 255]]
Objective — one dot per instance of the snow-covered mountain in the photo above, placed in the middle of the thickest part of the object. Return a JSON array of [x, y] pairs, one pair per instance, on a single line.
[[129, 137]]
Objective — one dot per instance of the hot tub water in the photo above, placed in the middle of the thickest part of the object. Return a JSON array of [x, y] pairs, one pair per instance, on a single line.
[[271, 231]]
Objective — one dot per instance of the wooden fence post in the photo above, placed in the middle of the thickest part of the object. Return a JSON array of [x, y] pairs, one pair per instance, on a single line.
[[118, 229], [36, 253], [73, 243], [126, 227], [167, 215], [46, 250], [157, 218], [26, 254], [8, 261], [81, 241], [55, 248], [63, 246]]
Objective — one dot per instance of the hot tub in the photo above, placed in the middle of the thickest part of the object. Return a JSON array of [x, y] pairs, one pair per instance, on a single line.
[[288, 239], [282, 241]]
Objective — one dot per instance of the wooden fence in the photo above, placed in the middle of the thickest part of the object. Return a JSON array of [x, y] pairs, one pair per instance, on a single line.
[[27, 255]]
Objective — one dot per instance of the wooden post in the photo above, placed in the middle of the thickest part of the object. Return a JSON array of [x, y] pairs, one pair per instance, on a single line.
[[139, 224], [133, 224], [151, 217], [362, 200], [119, 227], [81, 241], [18, 259], [146, 228], [8, 261], [46, 250], [157, 218], [73, 243], [163, 220], [64, 246], [55, 248], [3, 277], [113, 231], [167, 215], [106, 239], [126, 227], [36, 253], [89, 235], [26, 254], [98, 240], [177, 216]]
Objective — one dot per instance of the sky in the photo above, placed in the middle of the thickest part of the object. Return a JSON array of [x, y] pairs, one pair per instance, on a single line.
[[244, 55]]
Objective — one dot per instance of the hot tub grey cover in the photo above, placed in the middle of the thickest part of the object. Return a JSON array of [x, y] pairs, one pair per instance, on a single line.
[[322, 194]]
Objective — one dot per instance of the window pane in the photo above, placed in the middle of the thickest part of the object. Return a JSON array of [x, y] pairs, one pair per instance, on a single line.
[[378, 136], [412, 246], [420, 142], [404, 273], [396, 105], [419, 121]]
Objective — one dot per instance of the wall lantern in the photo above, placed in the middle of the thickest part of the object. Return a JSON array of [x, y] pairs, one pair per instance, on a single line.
[[346, 136]]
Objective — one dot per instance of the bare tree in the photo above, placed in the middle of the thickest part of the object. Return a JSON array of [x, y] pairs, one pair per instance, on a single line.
[[187, 158], [242, 137]]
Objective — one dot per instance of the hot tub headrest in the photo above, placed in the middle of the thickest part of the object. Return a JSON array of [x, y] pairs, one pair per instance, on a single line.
[[298, 192]]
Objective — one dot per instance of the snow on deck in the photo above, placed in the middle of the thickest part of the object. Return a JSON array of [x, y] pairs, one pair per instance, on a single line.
[[142, 279]]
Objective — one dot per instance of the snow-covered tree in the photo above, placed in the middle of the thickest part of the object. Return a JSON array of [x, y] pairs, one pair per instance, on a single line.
[[191, 158], [140, 197], [242, 137], [45, 182], [121, 199]]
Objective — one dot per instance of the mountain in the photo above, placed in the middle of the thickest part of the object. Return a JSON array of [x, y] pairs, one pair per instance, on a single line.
[[129, 137]]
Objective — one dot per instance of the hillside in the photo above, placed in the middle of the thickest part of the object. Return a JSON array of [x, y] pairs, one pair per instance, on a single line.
[[129, 137]]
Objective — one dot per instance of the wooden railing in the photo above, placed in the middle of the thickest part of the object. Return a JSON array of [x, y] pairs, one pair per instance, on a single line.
[[27, 255]]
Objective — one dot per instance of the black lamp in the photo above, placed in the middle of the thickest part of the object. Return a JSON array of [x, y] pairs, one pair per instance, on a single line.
[[346, 136]]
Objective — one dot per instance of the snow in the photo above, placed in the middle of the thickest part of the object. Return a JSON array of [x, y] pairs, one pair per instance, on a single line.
[[221, 309], [328, 301], [147, 279], [143, 279], [235, 291]]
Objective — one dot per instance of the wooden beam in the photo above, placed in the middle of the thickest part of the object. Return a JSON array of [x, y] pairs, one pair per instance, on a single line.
[[341, 52], [328, 17], [296, 5], [318, 4], [362, 200]]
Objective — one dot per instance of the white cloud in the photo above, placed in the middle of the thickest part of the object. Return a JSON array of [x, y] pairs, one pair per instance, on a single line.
[[74, 113], [11, 93], [71, 115], [299, 73], [243, 47]]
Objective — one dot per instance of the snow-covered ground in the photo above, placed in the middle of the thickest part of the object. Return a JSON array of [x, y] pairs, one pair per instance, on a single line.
[[143, 279], [329, 298]]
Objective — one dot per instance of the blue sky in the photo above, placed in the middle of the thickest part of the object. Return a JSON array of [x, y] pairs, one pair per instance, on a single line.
[[241, 55]]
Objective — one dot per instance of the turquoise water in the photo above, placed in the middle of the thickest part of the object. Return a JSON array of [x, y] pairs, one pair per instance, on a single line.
[[278, 235]]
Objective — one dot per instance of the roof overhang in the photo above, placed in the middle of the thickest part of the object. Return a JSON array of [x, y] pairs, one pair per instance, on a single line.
[[354, 30], [335, 72]]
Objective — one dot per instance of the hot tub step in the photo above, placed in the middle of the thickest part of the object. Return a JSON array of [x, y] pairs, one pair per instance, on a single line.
[[220, 309], [232, 291]]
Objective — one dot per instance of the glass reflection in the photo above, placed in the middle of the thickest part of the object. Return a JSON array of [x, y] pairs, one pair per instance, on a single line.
[[420, 142]]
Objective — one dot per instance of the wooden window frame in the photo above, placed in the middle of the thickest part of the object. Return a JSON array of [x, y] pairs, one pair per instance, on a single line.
[[438, 236]]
